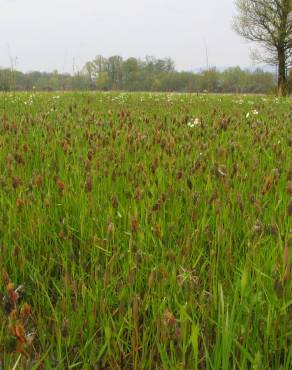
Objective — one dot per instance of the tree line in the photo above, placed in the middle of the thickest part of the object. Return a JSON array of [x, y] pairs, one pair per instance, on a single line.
[[132, 74]]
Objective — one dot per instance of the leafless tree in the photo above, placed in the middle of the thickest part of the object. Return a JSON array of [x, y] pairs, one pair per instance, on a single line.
[[269, 23]]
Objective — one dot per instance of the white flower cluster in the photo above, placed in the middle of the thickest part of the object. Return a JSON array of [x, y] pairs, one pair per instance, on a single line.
[[29, 101], [121, 98], [254, 112], [194, 122]]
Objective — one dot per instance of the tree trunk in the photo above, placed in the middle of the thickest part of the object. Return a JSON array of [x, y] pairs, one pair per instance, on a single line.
[[281, 72]]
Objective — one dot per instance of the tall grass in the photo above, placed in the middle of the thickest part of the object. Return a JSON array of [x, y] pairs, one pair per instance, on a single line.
[[145, 231]]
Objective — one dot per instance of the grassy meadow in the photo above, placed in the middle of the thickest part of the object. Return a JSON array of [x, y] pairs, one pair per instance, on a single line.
[[145, 231]]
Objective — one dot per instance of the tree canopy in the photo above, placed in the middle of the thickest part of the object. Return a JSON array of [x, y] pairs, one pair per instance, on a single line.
[[268, 23]]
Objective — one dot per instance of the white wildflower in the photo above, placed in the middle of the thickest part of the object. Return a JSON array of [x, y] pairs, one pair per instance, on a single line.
[[194, 122]]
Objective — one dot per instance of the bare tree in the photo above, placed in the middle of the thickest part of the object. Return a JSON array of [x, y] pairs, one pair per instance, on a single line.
[[269, 23]]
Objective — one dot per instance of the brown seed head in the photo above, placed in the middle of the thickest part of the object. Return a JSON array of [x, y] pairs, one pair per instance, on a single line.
[[89, 184], [60, 186], [169, 318], [39, 182], [134, 225]]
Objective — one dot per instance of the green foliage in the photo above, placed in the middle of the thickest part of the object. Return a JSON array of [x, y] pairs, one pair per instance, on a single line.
[[145, 231], [151, 74]]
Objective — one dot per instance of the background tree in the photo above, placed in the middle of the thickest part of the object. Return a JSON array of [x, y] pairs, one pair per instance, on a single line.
[[234, 79], [269, 23], [133, 74]]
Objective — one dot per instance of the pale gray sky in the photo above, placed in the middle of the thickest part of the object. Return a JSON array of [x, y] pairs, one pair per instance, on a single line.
[[50, 34]]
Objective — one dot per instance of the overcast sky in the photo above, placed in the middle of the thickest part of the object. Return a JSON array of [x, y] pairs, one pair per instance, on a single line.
[[57, 34]]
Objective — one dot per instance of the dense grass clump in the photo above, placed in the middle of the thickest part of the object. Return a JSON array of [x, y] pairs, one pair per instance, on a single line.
[[145, 231]]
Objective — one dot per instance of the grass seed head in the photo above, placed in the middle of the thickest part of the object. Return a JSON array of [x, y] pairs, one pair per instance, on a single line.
[[289, 208], [134, 225]]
